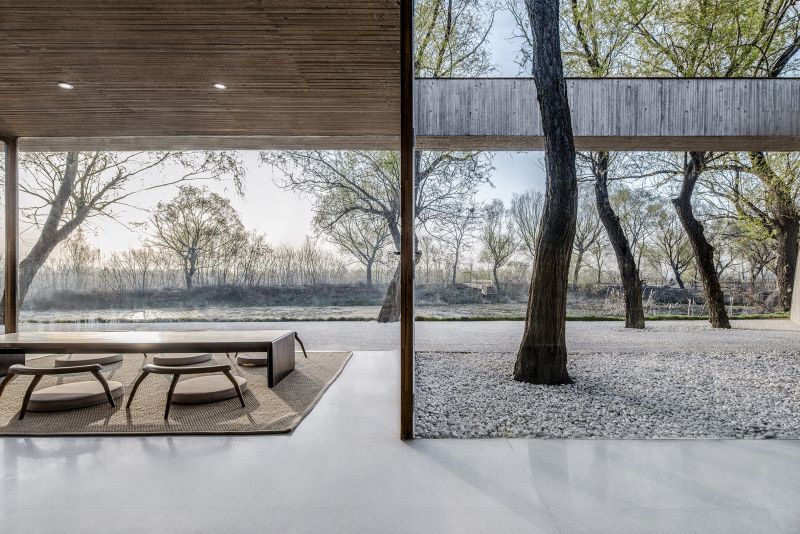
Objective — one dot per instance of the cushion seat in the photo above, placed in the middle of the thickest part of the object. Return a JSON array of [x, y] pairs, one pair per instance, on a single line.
[[252, 359], [70, 360], [73, 395], [208, 388], [177, 358]]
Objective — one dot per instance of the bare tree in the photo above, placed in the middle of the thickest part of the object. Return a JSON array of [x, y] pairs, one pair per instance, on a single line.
[[588, 230], [636, 209], [344, 184], [192, 225], [451, 38], [454, 232], [498, 237], [69, 189], [599, 252], [364, 238], [672, 245], [526, 210]]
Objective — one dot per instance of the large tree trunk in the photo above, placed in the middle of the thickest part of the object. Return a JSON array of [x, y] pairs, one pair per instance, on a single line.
[[628, 271], [703, 251], [542, 356], [369, 274], [786, 227], [786, 261], [496, 280]]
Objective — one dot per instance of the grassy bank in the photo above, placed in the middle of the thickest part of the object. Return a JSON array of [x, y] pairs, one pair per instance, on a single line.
[[101, 320]]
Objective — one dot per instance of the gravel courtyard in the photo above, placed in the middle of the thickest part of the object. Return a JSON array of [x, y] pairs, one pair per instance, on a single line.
[[675, 380]]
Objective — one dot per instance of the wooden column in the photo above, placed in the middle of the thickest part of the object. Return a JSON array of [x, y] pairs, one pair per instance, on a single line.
[[11, 234], [407, 201]]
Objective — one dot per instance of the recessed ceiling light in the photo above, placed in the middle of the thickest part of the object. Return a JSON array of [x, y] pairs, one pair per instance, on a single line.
[[65, 85], [220, 86]]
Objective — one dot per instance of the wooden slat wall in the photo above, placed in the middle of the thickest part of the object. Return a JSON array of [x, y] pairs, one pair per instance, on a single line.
[[501, 114], [614, 114], [146, 68]]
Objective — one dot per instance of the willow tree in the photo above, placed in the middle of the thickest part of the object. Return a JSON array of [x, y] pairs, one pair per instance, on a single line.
[[764, 190], [712, 38], [69, 189], [451, 40], [542, 355]]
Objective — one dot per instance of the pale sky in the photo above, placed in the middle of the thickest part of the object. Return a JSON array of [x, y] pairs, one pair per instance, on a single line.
[[284, 216]]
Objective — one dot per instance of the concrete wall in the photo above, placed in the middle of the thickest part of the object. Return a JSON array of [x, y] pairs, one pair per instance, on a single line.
[[613, 114]]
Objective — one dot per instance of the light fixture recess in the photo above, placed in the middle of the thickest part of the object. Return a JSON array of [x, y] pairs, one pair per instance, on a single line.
[[65, 85]]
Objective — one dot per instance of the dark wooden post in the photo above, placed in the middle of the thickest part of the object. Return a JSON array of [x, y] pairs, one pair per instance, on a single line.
[[12, 249], [407, 216]]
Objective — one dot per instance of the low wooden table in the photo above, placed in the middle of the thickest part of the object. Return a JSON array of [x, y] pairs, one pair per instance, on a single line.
[[278, 344]]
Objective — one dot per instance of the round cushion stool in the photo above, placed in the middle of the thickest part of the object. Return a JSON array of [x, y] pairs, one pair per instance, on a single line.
[[252, 359], [71, 360], [177, 358], [209, 388], [73, 395]]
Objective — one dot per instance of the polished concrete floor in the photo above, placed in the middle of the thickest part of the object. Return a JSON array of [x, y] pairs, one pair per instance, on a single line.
[[344, 470]]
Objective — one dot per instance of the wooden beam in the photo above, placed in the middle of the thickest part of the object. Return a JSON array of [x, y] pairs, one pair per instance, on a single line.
[[716, 114], [210, 142], [407, 216], [12, 234]]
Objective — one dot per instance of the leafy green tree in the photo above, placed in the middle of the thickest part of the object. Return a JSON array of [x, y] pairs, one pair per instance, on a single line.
[[764, 190], [715, 38]]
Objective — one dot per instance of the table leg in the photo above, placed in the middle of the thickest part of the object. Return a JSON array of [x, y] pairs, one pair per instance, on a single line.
[[280, 360], [9, 358]]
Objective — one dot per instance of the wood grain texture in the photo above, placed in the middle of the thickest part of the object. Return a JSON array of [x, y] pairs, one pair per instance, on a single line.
[[146, 68], [614, 114], [280, 359], [407, 218], [11, 192], [501, 114], [133, 342]]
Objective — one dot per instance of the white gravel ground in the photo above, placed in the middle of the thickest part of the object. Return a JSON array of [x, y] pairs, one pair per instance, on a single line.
[[753, 394]]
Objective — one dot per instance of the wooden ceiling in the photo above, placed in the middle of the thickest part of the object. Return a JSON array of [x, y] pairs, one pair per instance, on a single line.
[[319, 71]]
